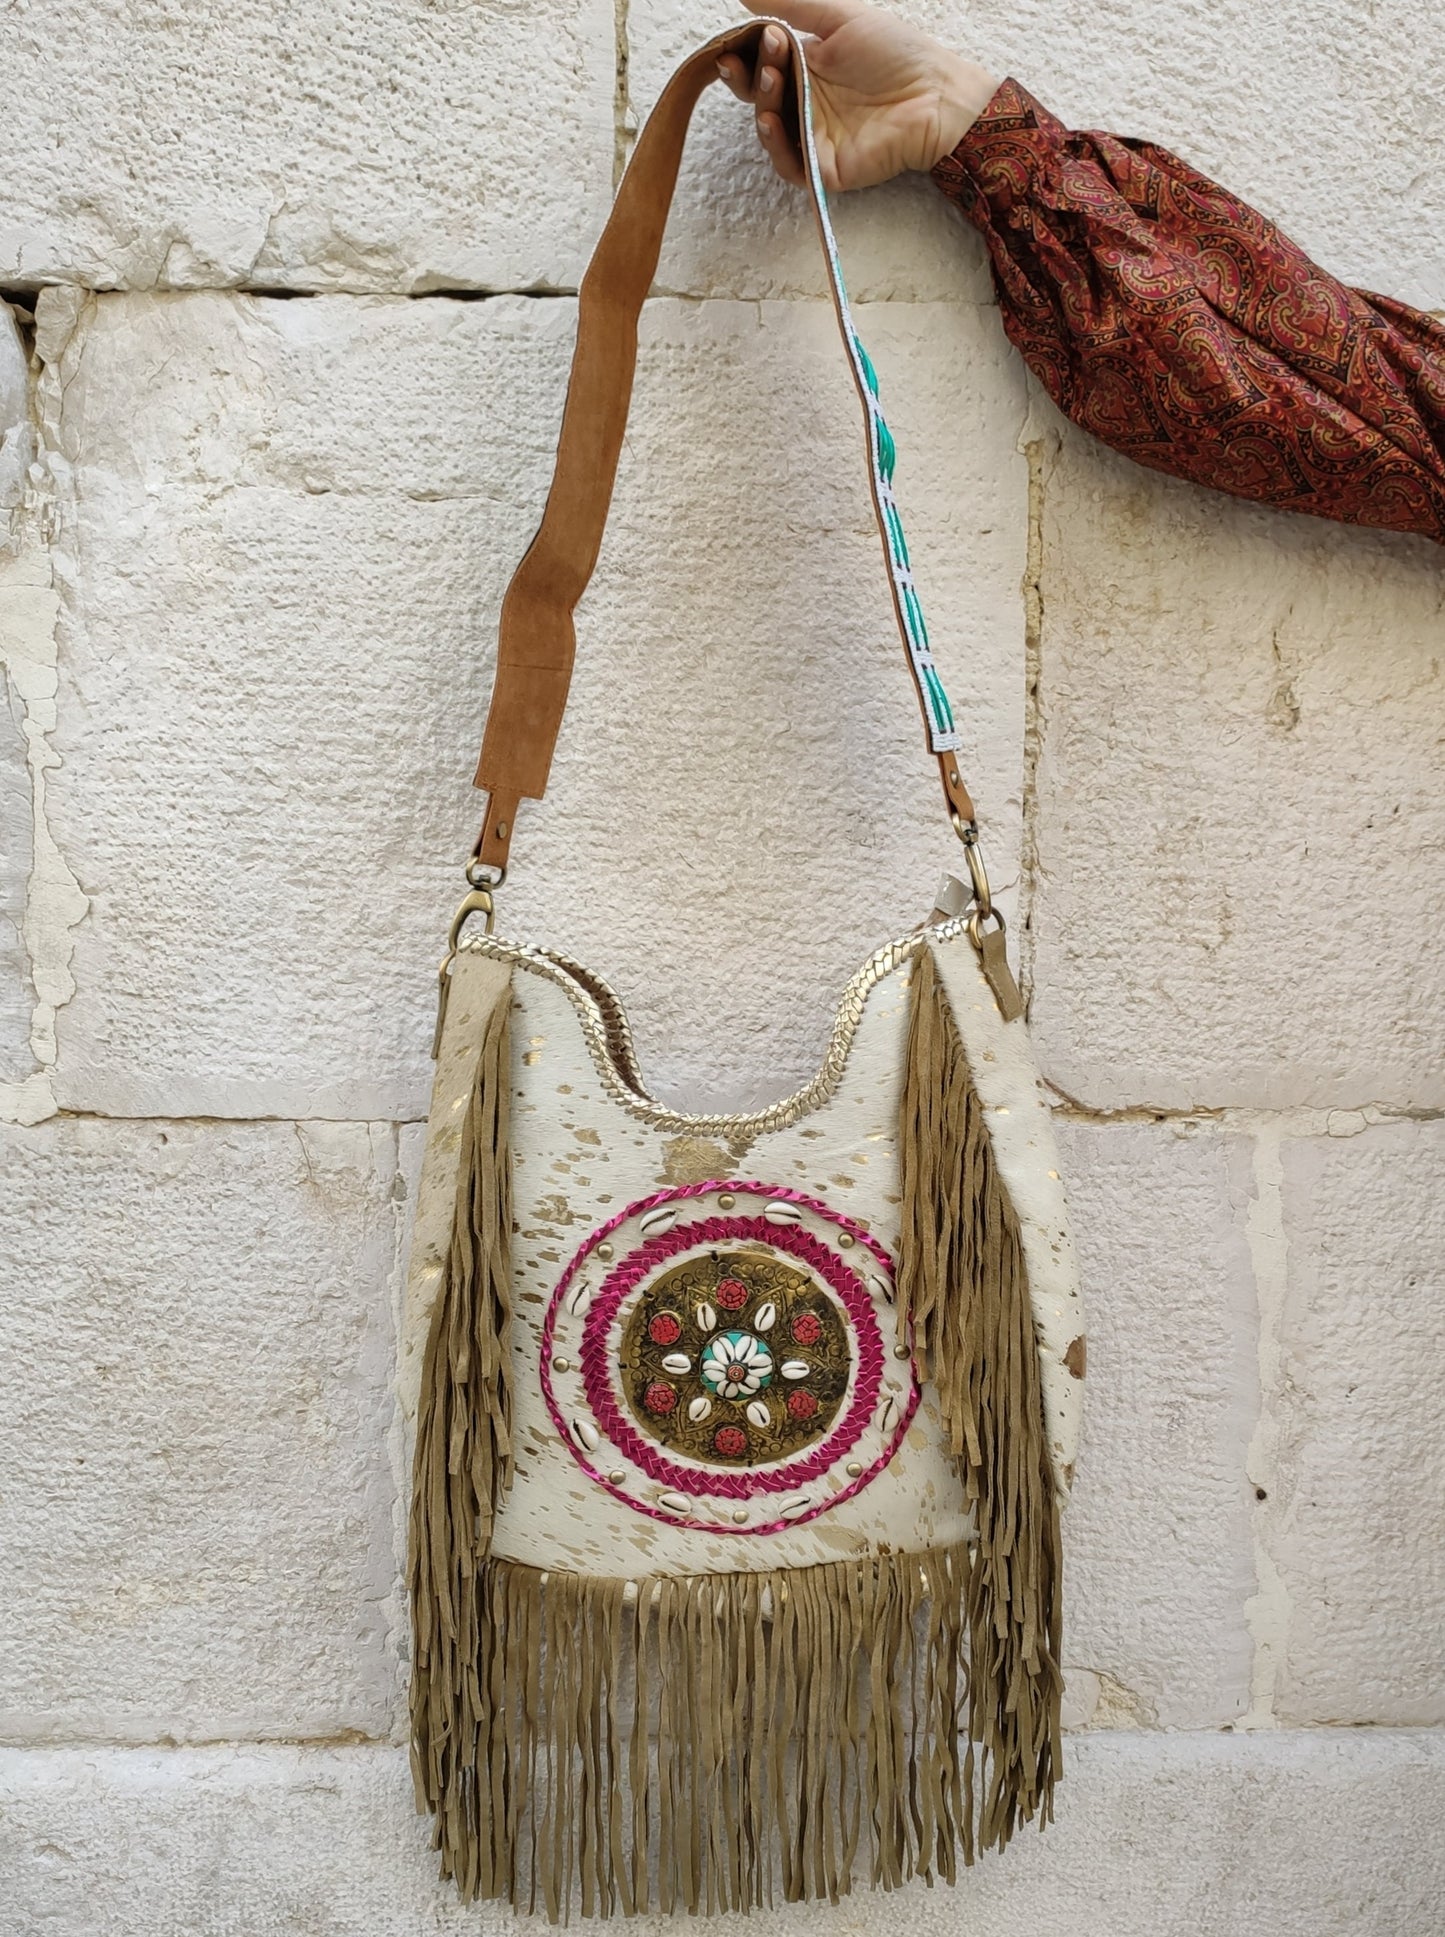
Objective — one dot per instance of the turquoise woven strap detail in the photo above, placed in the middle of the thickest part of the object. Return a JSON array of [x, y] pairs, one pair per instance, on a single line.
[[887, 453], [883, 455]]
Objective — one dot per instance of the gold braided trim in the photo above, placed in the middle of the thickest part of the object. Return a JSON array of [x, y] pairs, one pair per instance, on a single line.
[[608, 1035]]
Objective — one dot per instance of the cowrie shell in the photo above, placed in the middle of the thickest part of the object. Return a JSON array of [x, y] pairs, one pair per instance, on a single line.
[[790, 1509], [765, 1317], [759, 1415], [677, 1362], [657, 1221], [586, 1435], [581, 1298], [779, 1213], [700, 1408], [795, 1368], [675, 1502], [706, 1318], [887, 1413]]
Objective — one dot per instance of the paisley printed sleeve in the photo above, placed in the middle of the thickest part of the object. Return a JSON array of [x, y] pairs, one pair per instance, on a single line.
[[1180, 327]]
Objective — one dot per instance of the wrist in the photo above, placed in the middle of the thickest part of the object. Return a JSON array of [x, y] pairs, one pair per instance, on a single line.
[[964, 91]]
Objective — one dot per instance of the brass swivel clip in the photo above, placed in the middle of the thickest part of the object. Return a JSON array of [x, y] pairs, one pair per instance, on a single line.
[[990, 942], [482, 882]]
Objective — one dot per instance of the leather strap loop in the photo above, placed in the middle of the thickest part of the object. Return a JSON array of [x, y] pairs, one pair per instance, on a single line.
[[537, 642]]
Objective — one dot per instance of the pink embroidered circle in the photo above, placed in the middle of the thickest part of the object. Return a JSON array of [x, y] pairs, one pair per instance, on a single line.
[[755, 1396]]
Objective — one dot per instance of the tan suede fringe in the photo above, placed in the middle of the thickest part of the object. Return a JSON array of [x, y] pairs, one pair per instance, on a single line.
[[962, 1281], [463, 1461], [706, 1742]]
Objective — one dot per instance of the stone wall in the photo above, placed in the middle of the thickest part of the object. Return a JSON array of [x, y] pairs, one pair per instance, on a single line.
[[290, 312]]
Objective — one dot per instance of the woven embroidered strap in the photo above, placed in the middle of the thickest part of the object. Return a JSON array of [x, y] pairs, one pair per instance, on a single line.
[[537, 639]]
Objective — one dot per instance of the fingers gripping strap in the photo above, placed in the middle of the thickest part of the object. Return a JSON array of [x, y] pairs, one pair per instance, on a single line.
[[537, 643]]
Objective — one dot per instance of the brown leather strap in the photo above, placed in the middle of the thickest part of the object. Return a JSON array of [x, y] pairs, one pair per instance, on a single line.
[[537, 640]]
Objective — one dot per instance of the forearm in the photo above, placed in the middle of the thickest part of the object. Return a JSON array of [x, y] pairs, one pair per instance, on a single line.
[[1180, 327]]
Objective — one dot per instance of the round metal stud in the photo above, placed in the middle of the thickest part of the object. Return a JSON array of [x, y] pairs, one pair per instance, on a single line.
[[561, 1365], [604, 1251], [845, 1240], [740, 1516], [853, 1469], [726, 1200]]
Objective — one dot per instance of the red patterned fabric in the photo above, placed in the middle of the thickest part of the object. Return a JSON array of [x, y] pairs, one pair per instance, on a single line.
[[1183, 329]]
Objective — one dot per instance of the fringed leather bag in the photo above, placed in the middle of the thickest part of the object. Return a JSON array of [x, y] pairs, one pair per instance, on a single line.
[[735, 1565]]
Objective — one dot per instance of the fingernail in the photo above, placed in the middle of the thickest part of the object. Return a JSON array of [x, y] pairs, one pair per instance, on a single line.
[[765, 132], [722, 69], [767, 81]]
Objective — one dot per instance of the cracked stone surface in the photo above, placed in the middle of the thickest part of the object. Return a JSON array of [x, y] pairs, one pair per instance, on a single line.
[[17, 994], [1354, 1521], [1157, 1535], [1286, 1835], [197, 1364], [1238, 807], [17, 848], [284, 535], [360, 144]]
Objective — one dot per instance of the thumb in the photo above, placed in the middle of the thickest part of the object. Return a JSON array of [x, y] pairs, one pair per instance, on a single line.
[[810, 16]]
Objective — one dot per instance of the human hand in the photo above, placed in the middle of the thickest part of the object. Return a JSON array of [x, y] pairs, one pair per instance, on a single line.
[[886, 96]]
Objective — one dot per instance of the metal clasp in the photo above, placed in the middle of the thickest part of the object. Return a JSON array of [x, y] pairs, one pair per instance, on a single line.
[[478, 902], [991, 943], [967, 832]]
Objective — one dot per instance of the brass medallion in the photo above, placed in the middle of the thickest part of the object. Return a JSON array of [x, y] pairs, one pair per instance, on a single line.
[[734, 1358]]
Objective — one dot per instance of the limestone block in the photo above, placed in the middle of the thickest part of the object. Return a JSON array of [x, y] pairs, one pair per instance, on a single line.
[[1354, 1522], [16, 834], [285, 531], [1158, 1554], [736, 230], [1284, 1835], [360, 144], [197, 1364], [16, 853], [1238, 801]]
